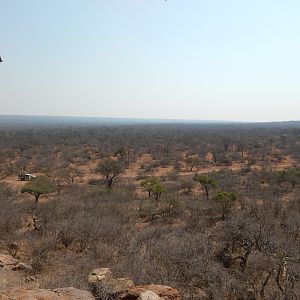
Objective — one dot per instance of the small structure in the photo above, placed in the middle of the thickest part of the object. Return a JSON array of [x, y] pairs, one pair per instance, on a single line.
[[26, 176]]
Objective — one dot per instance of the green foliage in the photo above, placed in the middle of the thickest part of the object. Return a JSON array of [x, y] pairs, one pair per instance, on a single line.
[[122, 152], [206, 180], [70, 174], [158, 189], [123, 155], [192, 161], [227, 197], [110, 168], [148, 183], [292, 175], [226, 201], [206, 183], [153, 186], [186, 185], [39, 186]]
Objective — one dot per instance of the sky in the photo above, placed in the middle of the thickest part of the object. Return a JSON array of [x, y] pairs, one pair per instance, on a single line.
[[176, 59]]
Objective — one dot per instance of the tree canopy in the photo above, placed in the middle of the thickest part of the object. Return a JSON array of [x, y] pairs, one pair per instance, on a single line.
[[110, 169], [226, 201], [206, 183], [38, 186], [192, 161], [153, 186]]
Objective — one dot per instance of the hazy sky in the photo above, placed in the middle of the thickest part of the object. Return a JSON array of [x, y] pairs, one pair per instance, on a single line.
[[188, 59]]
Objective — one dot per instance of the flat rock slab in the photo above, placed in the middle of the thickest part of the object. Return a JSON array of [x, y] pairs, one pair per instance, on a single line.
[[41, 294], [7, 261], [10, 263]]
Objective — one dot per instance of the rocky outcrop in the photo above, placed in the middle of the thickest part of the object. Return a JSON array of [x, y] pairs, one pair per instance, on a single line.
[[105, 286], [8, 262], [162, 291], [12, 275], [148, 295], [41, 294]]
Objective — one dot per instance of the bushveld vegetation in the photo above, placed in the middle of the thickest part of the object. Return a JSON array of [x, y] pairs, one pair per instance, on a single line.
[[208, 209]]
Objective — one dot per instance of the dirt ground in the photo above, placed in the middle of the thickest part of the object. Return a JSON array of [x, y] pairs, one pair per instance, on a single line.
[[88, 170]]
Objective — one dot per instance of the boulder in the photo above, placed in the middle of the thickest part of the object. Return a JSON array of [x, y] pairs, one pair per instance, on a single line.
[[42, 294], [7, 261], [10, 263], [20, 266], [98, 275], [148, 295], [104, 285], [73, 294], [162, 291]]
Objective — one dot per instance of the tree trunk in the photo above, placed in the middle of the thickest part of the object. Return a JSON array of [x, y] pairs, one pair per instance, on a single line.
[[223, 215], [206, 193], [2, 178], [262, 290], [224, 211], [214, 158], [128, 158], [244, 261], [109, 182], [36, 198]]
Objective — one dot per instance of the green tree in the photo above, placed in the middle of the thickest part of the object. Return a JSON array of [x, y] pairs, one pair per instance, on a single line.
[[206, 184], [148, 183], [225, 200], [192, 162], [70, 174], [154, 187], [124, 155], [38, 186], [5, 171], [187, 186], [110, 169], [291, 175]]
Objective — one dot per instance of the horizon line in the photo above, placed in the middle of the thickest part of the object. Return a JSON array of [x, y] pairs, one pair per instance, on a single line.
[[145, 119]]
